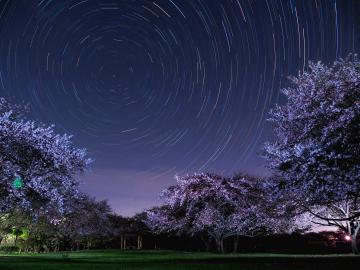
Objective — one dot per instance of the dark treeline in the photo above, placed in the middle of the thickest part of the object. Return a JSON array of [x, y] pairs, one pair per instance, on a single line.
[[309, 243], [42, 236]]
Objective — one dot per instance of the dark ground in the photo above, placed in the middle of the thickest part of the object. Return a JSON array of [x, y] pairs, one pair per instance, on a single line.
[[151, 260]]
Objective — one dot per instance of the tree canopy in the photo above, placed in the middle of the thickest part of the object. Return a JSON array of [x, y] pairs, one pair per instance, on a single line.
[[316, 152], [37, 166], [219, 207]]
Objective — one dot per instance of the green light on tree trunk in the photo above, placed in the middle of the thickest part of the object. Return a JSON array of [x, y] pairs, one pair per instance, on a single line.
[[18, 183]]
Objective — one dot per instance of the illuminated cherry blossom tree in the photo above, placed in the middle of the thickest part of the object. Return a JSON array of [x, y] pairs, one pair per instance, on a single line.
[[37, 166], [218, 206], [316, 153]]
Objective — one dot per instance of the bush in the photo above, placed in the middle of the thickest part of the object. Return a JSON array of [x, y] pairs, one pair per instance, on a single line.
[[8, 248]]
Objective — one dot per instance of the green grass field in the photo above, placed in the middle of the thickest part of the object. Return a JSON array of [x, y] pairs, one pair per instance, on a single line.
[[161, 260]]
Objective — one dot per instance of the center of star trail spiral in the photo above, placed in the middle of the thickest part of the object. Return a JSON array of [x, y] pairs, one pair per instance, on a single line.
[[171, 86]]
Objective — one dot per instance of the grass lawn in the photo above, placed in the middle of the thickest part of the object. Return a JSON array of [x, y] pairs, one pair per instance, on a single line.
[[161, 260]]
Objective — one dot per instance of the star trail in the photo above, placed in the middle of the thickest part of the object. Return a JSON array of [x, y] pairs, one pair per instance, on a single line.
[[164, 87]]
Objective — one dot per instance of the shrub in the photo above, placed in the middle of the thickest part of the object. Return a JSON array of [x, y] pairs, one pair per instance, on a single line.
[[8, 248]]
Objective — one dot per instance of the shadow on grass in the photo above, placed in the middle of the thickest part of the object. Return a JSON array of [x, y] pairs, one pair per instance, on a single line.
[[151, 260]]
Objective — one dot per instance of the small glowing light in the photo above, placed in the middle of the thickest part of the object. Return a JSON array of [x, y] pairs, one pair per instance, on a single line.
[[347, 237], [17, 183]]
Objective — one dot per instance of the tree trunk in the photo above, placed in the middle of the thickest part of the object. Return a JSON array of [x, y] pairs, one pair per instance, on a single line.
[[206, 242], [354, 248], [207, 245], [236, 243], [220, 244], [56, 248]]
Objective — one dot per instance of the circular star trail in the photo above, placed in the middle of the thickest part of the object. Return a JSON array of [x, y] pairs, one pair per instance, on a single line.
[[167, 86]]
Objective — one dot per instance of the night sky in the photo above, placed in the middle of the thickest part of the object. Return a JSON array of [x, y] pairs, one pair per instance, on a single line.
[[164, 87]]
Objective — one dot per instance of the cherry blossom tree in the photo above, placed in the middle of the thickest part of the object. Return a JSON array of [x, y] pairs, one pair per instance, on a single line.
[[37, 166], [218, 206], [86, 223], [316, 153], [343, 215]]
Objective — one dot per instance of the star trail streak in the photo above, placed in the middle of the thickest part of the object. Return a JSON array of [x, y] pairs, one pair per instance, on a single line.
[[155, 88]]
